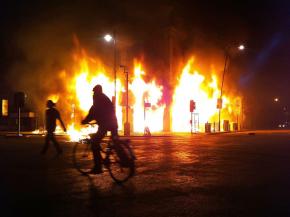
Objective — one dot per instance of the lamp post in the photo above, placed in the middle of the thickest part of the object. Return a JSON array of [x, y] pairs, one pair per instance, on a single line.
[[220, 100], [109, 38], [127, 123]]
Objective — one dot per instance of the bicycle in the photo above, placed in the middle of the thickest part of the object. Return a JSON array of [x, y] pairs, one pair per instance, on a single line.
[[116, 155]]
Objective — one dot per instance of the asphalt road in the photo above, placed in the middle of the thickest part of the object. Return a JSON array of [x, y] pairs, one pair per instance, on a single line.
[[216, 175]]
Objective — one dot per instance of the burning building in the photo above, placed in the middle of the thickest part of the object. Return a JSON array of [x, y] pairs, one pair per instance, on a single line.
[[147, 107]]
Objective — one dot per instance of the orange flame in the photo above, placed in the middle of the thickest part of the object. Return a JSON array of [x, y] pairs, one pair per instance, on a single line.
[[146, 104], [193, 86], [147, 109]]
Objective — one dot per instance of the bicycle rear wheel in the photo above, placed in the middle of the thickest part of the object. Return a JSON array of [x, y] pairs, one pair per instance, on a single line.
[[83, 158], [120, 171]]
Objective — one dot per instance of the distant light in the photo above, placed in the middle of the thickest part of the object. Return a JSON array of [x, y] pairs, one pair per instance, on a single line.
[[241, 47], [276, 99], [108, 38]]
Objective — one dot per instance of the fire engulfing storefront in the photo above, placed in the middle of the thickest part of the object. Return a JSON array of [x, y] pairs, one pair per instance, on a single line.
[[147, 108]]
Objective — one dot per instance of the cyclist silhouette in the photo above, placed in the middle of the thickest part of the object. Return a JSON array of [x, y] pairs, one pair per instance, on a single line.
[[103, 112], [51, 115]]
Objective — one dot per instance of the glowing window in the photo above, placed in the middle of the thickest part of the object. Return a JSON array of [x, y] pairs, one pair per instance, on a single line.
[[4, 107]]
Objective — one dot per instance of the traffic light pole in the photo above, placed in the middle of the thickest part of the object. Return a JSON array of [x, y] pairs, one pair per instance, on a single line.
[[191, 109], [191, 122]]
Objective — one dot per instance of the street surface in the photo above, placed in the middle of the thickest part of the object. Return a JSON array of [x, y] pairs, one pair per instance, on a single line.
[[216, 175]]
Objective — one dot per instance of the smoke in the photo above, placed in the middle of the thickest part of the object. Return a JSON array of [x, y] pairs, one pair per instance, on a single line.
[[45, 51], [45, 46]]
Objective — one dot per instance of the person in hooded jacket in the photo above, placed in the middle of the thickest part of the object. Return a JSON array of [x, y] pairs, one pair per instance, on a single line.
[[103, 112]]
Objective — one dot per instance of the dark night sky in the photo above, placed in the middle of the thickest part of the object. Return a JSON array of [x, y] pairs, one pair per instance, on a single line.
[[41, 31]]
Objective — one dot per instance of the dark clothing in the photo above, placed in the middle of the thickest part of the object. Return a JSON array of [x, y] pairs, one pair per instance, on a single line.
[[51, 115], [50, 137], [97, 138], [103, 112]]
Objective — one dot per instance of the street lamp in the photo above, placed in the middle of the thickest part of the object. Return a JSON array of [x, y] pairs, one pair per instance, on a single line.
[[219, 101], [241, 47], [127, 123], [108, 38]]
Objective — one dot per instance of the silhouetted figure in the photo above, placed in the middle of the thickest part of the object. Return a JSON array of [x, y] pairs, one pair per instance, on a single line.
[[103, 112], [51, 115]]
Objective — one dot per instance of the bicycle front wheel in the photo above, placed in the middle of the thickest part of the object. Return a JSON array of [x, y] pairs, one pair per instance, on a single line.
[[118, 171], [83, 158]]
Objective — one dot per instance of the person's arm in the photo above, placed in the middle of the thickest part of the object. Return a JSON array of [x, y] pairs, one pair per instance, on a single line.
[[61, 122], [89, 117]]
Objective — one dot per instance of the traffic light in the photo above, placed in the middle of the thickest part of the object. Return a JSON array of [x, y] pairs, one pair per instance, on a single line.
[[147, 104], [191, 106]]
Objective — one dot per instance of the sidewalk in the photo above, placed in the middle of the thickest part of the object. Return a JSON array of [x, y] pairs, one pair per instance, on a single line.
[[159, 134]]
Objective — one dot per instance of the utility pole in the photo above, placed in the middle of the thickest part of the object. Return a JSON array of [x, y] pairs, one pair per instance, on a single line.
[[127, 123], [227, 59], [115, 68], [110, 38], [220, 102]]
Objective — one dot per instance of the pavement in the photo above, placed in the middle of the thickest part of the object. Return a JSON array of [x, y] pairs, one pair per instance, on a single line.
[[212, 175]]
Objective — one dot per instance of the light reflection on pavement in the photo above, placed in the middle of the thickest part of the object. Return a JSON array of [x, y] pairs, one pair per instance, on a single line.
[[198, 175]]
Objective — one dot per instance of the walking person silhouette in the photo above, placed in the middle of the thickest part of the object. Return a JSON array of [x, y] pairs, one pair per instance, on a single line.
[[51, 115]]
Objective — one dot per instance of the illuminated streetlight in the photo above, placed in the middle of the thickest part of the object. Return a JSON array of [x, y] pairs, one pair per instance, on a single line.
[[219, 101], [241, 47], [276, 99], [110, 38]]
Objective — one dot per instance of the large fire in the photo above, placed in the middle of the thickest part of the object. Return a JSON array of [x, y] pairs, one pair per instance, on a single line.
[[146, 98], [147, 109], [205, 93]]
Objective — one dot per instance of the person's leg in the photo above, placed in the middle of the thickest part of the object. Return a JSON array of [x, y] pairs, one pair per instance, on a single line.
[[56, 144], [96, 139], [114, 133], [46, 144]]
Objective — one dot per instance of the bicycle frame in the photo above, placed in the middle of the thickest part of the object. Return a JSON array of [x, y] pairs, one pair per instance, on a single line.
[[119, 168]]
